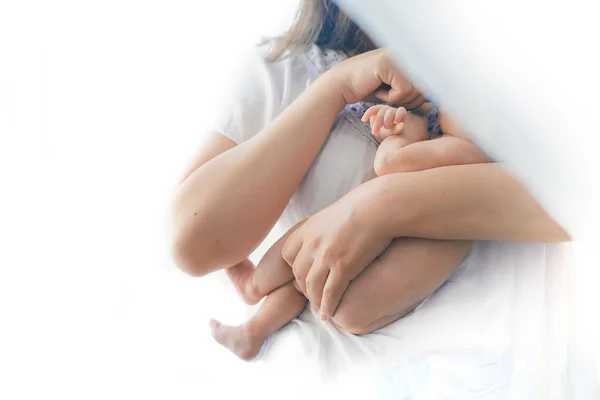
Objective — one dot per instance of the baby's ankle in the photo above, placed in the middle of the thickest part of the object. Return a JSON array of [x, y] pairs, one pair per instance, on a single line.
[[241, 278], [252, 292], [253, 331]]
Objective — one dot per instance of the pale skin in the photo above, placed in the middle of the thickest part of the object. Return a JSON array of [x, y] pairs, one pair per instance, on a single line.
[[232, 196], [403, 148], [398, 132]]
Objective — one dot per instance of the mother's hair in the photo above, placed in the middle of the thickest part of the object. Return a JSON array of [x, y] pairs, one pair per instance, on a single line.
[[321, 22]]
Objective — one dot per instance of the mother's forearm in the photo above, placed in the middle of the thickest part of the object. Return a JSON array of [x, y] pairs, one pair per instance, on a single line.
[[471, 202], [225, 208]]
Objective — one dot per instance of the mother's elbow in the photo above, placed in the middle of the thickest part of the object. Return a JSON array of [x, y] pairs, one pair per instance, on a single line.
[[190, 240], [191, 258], [197, 251], [202, 242]]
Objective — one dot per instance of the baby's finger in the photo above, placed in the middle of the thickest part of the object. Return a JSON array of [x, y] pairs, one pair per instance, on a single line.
[[370, 112], [373, 123], [398, 128], [401, 114], [388, 118], [383, 134], [379, 120]]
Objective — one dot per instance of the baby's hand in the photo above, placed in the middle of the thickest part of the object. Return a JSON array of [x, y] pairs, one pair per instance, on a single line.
[[385, 120]]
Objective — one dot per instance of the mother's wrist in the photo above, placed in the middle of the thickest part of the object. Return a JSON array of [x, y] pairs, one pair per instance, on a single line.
[[336, 83], [380, 207], [392, 208]]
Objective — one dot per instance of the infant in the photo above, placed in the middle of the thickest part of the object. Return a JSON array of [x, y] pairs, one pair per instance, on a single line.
[[421, 139]]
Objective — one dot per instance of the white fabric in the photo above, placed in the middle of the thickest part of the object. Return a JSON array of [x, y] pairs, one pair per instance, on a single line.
[[520, 75], [261, 90], [495, 330], [264, 89]]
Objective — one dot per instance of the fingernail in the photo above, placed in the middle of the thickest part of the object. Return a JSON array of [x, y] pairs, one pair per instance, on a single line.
[[323, 317]]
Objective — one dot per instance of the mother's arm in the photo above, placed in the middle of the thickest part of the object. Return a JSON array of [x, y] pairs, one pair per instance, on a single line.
[[226, 205], [472, 202]]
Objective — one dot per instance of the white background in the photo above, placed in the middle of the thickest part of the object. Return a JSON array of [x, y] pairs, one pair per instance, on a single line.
[[101, 106]]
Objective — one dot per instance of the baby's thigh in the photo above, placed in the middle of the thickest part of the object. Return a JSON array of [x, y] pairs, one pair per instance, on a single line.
[[396, 282]]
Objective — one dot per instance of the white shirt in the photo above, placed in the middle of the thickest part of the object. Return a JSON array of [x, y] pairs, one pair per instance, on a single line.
[[263, 89]]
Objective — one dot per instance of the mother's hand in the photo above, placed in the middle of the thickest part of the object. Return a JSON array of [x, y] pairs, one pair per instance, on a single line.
[[374, 74], [333, 247]]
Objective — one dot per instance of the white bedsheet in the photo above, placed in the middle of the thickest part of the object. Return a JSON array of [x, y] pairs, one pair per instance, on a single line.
[[497, 329]]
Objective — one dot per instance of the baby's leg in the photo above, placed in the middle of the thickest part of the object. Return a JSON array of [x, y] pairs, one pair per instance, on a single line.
[[410, 269], [272, 271], [394, 155], [280, 307], [397, 281]]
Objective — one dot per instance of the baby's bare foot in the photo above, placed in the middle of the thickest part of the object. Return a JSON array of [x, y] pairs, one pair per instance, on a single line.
[[238, 339], [241, 277]]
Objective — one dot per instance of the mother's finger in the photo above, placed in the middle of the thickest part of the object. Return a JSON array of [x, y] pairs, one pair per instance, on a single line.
[[301, 266], [415, 102], [334, 288], [292, 246], [315, 282], [296, 286]]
